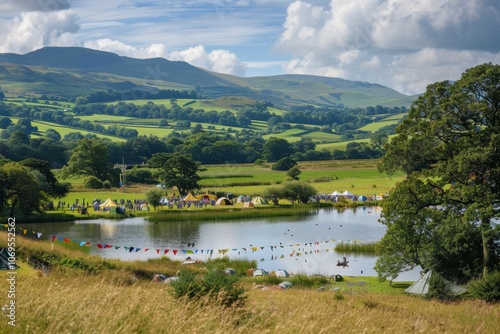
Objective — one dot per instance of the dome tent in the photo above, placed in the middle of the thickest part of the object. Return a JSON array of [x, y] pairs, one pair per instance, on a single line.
[[223, 201]]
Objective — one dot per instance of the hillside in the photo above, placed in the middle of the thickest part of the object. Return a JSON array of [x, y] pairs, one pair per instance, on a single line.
[[73, 72]]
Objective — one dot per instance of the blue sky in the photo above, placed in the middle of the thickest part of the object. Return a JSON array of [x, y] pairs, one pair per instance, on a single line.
[[402, 44]]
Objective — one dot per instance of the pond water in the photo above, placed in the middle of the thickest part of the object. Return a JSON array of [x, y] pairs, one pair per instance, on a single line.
[[297, 244]]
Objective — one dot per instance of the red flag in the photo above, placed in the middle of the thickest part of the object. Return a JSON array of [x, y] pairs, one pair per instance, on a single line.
[[99, 245], [66, 240], [166, 251], [54, 238], [175, 251], [108, 246], [158, 251]]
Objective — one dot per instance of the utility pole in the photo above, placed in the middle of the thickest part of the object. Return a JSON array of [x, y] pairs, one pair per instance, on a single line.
[[122, 176]]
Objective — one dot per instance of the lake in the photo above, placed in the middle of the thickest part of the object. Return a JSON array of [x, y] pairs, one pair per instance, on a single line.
[[297, 244]]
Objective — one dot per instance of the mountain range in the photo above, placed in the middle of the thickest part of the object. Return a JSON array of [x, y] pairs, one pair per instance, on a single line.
[[74, 71]]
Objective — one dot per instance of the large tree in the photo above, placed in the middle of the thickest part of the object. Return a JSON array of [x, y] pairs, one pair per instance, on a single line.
[[177, 170], [23, 189], [89, 158], [449, 148]]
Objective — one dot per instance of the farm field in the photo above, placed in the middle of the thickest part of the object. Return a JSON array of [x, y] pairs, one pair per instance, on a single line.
[[359, 177]]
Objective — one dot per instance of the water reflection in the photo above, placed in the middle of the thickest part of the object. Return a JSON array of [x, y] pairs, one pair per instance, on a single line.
[[297, 244]]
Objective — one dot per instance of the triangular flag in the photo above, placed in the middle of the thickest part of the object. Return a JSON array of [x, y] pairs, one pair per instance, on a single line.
[[158, 251], [39, 235], [99, 246], [116, 247], [131, 249], [175, 251], [166, 251], [54, 238], [137, 249], [24, 231]]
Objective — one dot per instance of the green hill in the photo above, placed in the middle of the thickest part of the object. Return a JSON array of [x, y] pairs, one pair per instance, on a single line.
[[73, 71]]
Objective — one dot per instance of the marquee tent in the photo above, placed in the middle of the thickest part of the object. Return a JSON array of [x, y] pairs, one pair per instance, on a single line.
[[208, 197], [109, 203]]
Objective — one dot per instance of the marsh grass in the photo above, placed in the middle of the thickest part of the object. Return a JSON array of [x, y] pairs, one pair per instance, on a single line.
[[230, 213], [357, 248]]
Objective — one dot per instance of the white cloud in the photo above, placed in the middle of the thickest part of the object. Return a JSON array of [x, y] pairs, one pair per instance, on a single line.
[[106, 44], [221, 61], [32, 30], [366, 39]]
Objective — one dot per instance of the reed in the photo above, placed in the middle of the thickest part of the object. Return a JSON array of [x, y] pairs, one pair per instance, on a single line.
[[369, 248], [230, 214]]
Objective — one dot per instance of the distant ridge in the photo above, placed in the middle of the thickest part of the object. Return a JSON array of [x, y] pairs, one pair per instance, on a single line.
[[76, 71]]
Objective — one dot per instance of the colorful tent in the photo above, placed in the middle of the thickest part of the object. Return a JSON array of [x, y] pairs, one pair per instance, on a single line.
[[248, 205], [259, 200], [190, 198], [209, 197], [223, 201], [109, 203]]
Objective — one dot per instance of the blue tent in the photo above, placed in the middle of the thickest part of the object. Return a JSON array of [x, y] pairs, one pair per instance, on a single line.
[[362, 198]]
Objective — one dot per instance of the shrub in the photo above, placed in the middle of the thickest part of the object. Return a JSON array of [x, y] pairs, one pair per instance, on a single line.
[[107, 184], [92, 182], [215, 285], [284, 164], [488, 288]]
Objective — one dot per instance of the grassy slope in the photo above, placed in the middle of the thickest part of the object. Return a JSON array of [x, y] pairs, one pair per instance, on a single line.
[[115, 301]]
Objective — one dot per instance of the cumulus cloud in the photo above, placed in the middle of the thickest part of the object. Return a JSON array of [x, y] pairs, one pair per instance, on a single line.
[[106, 44], [35, 29], [392, 42], [221, 61]]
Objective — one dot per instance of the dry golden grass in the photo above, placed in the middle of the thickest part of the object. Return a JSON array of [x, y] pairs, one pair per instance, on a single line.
[[125, 300], [63, 303]]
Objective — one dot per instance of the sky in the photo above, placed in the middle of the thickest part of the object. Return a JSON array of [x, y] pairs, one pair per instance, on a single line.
[[402, 44]]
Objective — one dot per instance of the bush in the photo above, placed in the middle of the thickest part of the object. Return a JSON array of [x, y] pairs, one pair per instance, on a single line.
[[107, 184], [284, 164], [92, 182], [215, 285], [488, 288]]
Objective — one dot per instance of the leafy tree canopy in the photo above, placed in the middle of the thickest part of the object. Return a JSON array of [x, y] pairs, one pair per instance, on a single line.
[[177, 170], [449, 147]]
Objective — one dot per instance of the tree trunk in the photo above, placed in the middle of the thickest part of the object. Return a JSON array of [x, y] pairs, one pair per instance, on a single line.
[[486, 238]]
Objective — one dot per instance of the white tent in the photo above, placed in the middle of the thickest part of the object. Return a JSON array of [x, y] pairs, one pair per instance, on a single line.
[[335, 193], [421, 287], [347, 193]]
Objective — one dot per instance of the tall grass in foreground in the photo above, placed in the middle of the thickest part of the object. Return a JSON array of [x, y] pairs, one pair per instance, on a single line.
[[121, 298], [99, 304]]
